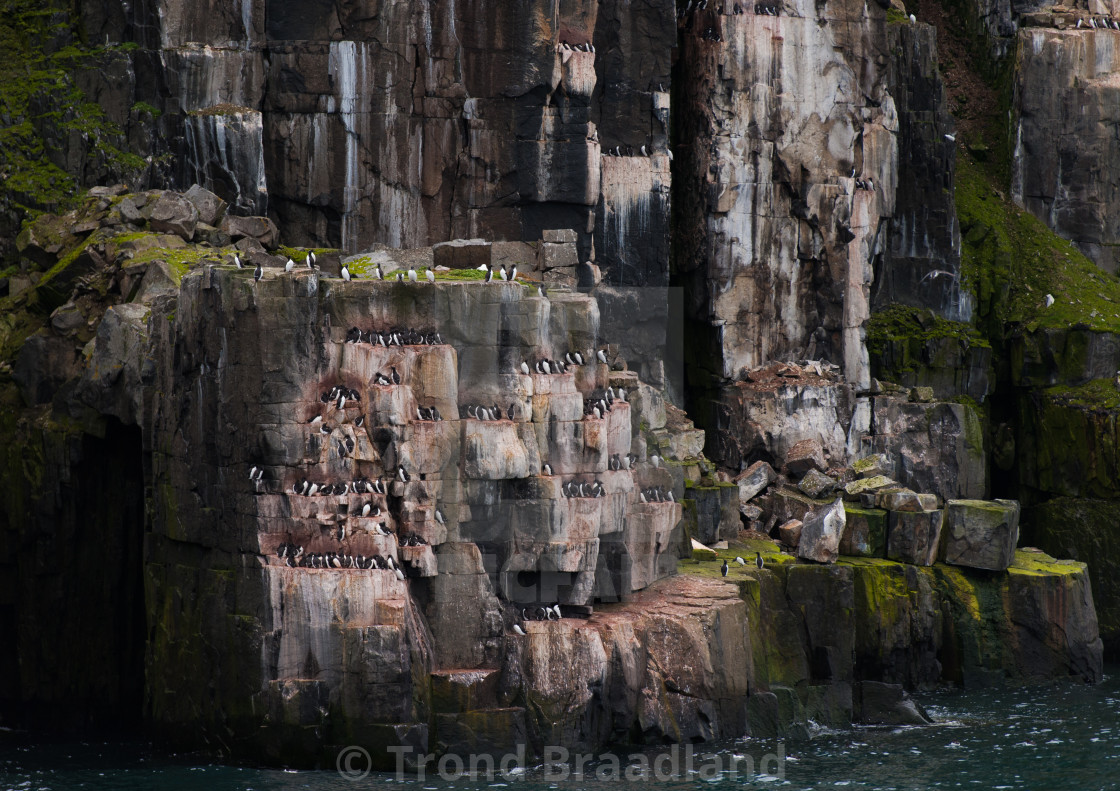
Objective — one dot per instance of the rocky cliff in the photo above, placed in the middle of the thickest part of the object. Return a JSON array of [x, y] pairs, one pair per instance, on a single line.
[[351, 489]]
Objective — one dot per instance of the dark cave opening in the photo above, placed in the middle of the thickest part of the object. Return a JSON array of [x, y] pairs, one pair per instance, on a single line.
[[72, 604]]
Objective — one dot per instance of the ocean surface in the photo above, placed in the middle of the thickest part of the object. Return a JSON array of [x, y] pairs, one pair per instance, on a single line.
[[1051, 737]]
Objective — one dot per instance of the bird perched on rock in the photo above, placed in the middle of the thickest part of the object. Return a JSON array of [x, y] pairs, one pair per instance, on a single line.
[[740, 561], [517, 628], [758, 559], [430, 275], [288, 267], [380, 272], [723, 568], [411, 274], [237, 261], [259, 273], [311, 260]]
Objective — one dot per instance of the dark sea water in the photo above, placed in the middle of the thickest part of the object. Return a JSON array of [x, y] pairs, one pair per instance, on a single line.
[[1059, 736]]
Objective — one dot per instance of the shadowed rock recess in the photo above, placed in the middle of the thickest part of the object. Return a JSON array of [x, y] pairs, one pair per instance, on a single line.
[[284, 470]]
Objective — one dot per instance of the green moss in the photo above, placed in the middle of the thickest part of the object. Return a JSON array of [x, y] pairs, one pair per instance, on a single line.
[[299, 254], [1012, 261], [896, 17], [906, 336], [1098, 394]]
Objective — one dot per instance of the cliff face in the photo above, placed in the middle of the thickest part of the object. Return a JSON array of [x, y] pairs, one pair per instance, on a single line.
[[812, 176], [414, 123]]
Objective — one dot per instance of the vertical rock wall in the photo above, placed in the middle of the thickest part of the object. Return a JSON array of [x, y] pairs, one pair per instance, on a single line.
[[780, 116], [480, 530], [414, 123]]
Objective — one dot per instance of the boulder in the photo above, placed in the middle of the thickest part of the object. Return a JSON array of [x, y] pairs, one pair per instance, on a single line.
[[821, 534], [260, 228], [559, 235], [789, 533], [804, 456], [554, 256], [872, 466], [210, 207], [172, 213], [906, 500], [914, 537], [754, 479], [981, 534], [865, 532], [877, 703], [462, 254], [701, 552], [868, 485], [816, 484]]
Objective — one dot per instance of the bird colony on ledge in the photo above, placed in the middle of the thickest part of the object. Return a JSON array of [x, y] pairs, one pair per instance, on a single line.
[[416, 434]]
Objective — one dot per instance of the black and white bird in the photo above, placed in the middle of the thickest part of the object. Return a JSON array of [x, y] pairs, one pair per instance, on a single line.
[[380, 272], [345, 272], [402, 473], [366, 509], [396, 377], [430, 275], [489, 273], [740, 561], [288, 267], [723, 568], [524, 367], [601, 356], [758, 559], [502, 272], [311, 260], [513, 273], [548, 469], [540, 292], [237, 261], [517, 628], [439, 517], [411, 274], [259, 273]]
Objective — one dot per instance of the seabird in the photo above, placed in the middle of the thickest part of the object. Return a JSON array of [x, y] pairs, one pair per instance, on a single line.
[[380, 272], [411, 274], [489, 273], [259, 273], [524, 367], [237, 261], [1049, 300], [951, 138], [548, 470], [540, 291], [288, 267], [400, 277], [655, 460], [399, 573], [517, 628], [644, 154], [430, 275], [253, 473], [345, 272], [513, 273], [723, 568], [365, 510], [311, 260], [439, 517], [396, 376], [758, 559], [740, 561], [913, 19], [502, 272], [601, 356], [361, 419], [403, 474]]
